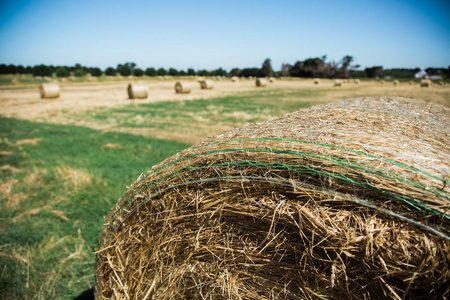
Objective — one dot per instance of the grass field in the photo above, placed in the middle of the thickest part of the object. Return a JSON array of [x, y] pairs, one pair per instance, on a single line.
[[62, 169]]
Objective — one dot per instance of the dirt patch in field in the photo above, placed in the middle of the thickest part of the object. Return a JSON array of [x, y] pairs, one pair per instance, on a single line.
[[28, 141]]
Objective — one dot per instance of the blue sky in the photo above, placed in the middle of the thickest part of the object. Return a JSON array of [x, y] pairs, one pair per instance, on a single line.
[[212, 34]]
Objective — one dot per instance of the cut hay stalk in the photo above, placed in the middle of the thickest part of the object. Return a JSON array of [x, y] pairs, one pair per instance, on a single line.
[[50, 90], [425, 83], [183, 87], [137, 91], [261, 82], [206, 84], [341, 201]]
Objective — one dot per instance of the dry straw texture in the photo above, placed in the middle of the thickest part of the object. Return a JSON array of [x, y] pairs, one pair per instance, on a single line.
[[206, 84], [137, 91], [49, 90], [183, 87], [396, 82], [235, 79], [272, 79], [261, 82], [337, 82], [343, 201]]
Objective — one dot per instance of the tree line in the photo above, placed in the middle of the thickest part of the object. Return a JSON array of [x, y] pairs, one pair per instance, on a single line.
[[317, 67]]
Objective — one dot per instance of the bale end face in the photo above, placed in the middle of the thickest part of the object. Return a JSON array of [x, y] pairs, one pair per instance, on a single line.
[[137, 91], [50, 91], [182, 87], [261, 82], [206, 84]]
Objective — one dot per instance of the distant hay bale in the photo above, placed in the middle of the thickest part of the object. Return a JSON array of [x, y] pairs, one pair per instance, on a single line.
[[261, 82], [235, 79], [206, 84], [381, 81], [218, 78], [200, 79], [411, 82], [137, 91], [271, 79], [317, 81], [49, 90], [440, 82], [182, 87], [425, 83], [337, 82], [357, 81], [344, 201], [396, 82]]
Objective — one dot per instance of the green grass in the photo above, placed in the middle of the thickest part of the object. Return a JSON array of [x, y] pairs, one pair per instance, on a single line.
[[54, 195]]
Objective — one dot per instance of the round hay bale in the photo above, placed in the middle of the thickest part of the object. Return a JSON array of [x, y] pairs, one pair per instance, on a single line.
[[411, 82], [337, 82], [396, 82], [271, 79], [49, 90], [182, 87], [235, 79], [347, 201], [357, 81], [206, 84], [317, 81], [200, 79], [425, 83], [137, 91], [261, 82]]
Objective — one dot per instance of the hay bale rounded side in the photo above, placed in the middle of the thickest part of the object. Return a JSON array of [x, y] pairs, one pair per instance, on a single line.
[[317, 81], [137, 91], [395, 82], [50, 90], [183, 87], [347, 201], [271, 79], [338, 82], [235, 79], [357, 81], [206, 84], [261, 82]]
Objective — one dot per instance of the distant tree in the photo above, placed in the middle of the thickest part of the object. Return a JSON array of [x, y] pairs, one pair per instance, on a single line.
[[266, 69], [110, 71], [3, 69], [138, 72], [79, 73], [161, 72], [220, 72], [202, 73], [285, 69], [173, 72], [247, 72], [150, 72], [235, 72], [191, 72], [20, 69], [376, 71], [42, 70], [182, 73], [96, 72], [346, 61], [62, 72]]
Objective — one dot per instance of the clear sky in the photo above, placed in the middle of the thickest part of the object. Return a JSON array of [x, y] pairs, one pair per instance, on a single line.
[[233, 33]]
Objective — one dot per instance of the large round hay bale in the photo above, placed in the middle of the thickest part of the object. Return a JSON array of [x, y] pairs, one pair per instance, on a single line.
[[357, 81], [235, 79], [348, 200], [183, 87], [261, 82], [338, 82], [271, 79], [425, 83], [317, 81], [137, 91], [396, 82], [206, 84], [50, 90]]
